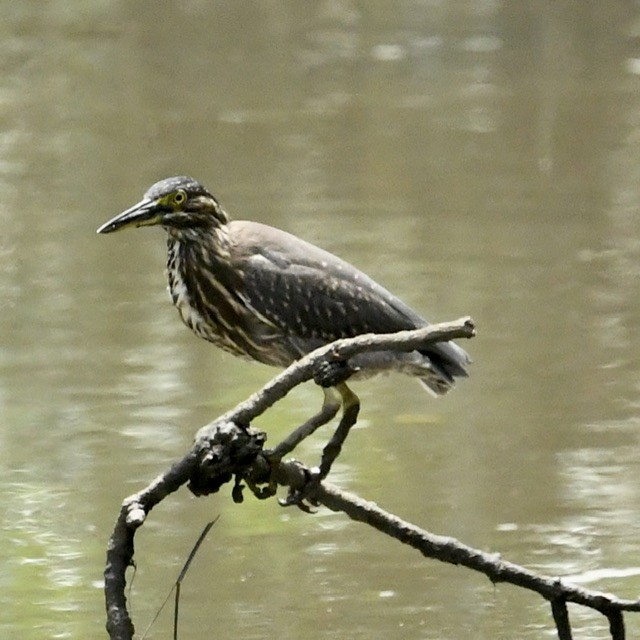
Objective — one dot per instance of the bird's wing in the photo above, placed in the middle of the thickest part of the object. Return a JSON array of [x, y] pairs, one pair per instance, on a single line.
[[315, 297], [310, 293]]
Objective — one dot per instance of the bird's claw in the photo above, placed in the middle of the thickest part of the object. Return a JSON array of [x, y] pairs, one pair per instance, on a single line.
[[329, 373], [304, 497], [264, 492]]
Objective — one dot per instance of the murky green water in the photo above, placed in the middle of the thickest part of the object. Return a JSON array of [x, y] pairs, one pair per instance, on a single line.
[[475, 157]]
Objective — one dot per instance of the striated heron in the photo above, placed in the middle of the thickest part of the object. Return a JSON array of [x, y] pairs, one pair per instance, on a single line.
[[266, 295]]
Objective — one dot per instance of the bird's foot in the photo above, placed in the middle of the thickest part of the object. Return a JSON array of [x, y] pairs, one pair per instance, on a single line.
[[305, 497], [257, 488], [302, 496], [332, 372]]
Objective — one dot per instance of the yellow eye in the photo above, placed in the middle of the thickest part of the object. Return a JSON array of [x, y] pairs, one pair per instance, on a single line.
[[180, 197]]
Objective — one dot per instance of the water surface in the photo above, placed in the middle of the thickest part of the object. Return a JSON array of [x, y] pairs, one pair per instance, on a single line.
[[476, 158]]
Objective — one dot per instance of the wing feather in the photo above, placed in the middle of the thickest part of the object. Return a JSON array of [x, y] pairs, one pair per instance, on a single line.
[[305, 290], [316, 297]]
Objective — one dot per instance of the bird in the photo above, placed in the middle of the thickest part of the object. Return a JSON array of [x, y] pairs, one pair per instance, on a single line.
[[266, 295]]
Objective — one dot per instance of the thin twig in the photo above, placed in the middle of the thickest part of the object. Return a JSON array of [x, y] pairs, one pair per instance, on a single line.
[[178, 582]]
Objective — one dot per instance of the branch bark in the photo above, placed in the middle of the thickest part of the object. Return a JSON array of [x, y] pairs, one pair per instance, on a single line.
[[447, 549]]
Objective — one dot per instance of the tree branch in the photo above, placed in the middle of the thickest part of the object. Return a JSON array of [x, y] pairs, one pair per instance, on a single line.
[[450, 550], [228, 447]]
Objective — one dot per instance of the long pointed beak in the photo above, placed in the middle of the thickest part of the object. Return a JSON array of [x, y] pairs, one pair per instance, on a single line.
[[146, 212]]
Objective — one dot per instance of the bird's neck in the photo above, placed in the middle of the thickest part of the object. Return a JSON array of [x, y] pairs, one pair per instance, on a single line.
[[207, 234], [197, 268], [204, 246], [186, 250]]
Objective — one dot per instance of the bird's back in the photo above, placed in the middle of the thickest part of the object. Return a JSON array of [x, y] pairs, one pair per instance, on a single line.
[[310, 297]]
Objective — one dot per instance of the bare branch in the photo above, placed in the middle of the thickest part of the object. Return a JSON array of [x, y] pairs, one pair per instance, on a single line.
[[228, 447], [452, 551], [219, 451]]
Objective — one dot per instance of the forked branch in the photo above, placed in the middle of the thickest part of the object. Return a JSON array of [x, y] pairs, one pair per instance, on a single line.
[[230, 448]]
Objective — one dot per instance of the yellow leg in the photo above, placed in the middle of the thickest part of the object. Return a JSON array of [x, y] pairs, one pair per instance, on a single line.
[[330, 406], [350, 410]]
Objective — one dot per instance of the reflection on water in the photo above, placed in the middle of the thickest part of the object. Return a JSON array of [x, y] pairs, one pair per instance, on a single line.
[[43, 561], [476, 157]]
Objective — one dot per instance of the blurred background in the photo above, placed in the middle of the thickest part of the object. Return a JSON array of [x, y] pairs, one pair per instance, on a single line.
[[475, 157]]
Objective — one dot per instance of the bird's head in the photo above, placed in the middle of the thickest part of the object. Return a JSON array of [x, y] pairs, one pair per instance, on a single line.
[[179, 203]]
